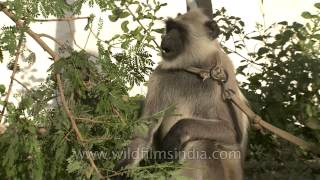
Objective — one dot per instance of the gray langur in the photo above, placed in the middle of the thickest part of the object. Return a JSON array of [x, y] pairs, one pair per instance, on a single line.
[[205, 122]]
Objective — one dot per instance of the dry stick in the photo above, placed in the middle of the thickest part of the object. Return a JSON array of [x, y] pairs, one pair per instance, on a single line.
[[14, 71], [23, 85], [55, 57], [71, 18], [281, 133], [72, 36], [52, 38]]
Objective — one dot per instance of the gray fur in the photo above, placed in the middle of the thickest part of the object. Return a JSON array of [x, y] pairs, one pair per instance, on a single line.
[[205, 122]]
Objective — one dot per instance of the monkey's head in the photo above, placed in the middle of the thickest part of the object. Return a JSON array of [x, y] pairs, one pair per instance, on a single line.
[[188, 40]]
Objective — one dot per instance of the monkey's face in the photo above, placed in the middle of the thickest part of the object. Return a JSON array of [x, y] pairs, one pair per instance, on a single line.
[[186, 31], [174, 40]]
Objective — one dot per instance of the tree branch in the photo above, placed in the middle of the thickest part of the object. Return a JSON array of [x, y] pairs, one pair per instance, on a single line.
[[71, 18], [88, 120], [52, 38], [144, 28], [14, 71], [55, 57], [23, 85], [75, 42]]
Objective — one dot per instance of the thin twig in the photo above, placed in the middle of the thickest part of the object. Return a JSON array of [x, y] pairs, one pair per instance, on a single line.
[[75, 42], [88, 120], [118, 114], [139, 22], [71, 33], [55, 57], [87, 40], [23, 85], [71, 18], [60, 43], [249, 60], [14, 71], [99, 139]]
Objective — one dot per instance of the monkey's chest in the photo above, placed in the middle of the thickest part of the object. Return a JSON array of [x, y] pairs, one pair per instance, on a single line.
[[192, 98]]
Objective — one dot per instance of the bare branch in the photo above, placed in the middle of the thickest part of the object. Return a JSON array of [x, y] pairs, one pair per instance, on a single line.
[[118, 114], [99, 139], [88, 120], [14, 71], [71, 18], [52, 38], [75, 42], [23, 85]]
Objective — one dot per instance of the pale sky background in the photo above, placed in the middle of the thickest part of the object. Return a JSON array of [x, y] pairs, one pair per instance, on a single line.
[[249, 10]]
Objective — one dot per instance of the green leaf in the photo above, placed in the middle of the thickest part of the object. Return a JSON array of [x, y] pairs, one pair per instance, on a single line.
[[241, 23], [125, 45], [287, 34], [160, 30], [124, 26], [262, 51], [317, 5], [73, 166], [139, 9], [316, 36], [260, 38], [124, 14], [2, 88], [301, 36], [113, 18], [163, 4], [1, 56], [296, 25], [306, 15], [31, 59], [283, 23]]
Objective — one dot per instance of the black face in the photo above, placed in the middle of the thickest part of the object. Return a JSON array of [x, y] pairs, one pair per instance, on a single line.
[[213, 28], [174, 40]]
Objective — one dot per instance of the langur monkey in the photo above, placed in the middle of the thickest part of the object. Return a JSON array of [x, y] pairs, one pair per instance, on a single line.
[[204, 121]]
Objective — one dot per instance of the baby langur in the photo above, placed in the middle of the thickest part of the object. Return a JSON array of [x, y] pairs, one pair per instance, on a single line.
[[207, 125]]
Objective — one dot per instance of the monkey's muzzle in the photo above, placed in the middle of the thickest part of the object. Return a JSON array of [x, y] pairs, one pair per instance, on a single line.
[[171, 45]]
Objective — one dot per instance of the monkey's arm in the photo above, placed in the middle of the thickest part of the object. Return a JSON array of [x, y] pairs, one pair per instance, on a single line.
[[199, 129], [142, 142]]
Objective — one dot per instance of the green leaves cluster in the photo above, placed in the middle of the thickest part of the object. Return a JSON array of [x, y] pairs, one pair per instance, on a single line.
[[39, 142]]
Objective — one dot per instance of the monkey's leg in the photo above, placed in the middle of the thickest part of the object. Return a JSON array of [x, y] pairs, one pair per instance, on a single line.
[[232, 162], [199, 129]]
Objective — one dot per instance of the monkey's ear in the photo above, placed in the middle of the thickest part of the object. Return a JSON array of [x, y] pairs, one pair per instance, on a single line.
[[213, 28]]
